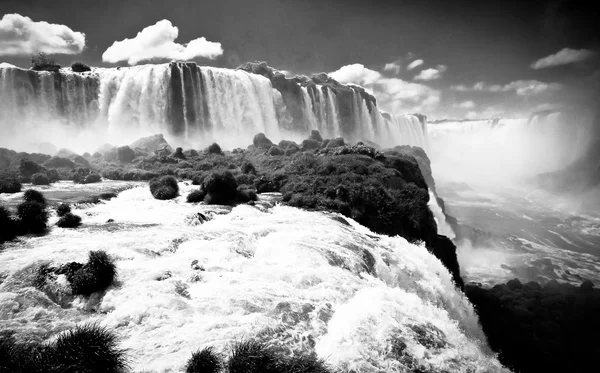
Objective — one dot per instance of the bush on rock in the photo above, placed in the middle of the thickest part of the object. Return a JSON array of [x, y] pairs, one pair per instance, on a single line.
[[220, 187], [40, 179], [96, 275], [69, 220], [164, 187]]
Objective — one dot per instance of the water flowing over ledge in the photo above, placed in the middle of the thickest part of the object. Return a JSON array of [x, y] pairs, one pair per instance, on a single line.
[[303, 280], [191, 104]]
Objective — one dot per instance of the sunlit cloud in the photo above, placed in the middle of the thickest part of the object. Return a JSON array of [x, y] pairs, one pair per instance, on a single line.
[[431, 74], [414, 64], [520, 87], [393, 95], [563, 57], [392, 66], [158, 42], [21, 36], [466, 105]]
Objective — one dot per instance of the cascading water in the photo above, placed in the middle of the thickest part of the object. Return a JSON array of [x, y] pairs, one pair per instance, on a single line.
[[191, 105], [306, 281], [440, 218], [507, 150]]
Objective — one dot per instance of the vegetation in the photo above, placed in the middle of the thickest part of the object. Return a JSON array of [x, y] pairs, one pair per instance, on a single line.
[[85, 349], [220, 188], [43, 62], [96, 275], [32, 195], [204, 361], [9, 182], [80, 67], [214, 148], [69, 220], [540, 329], [40, 179], [7, 225], [63, 209], [32, 217], [164, 187]]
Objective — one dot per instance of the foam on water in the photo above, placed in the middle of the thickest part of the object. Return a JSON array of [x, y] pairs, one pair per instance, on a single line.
[[301, 280]]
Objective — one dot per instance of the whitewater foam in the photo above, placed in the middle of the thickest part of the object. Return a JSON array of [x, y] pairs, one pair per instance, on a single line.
[[297, 279]]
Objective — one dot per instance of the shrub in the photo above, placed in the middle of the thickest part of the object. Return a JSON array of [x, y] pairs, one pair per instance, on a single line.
[[28, 168], [178, 153], [125, 154], [86, 349], [92, 177], [42, 62], [7, 226], [96, 275], [246, 194], [204, 361], [248, 168], [53, 175], [221, 188], [40, 179], [306, 364], [214, 148], [63, 209], [275, 151], [33, 217], [32, 195], [253, 357], [164, 187], [196, 196], [69, 220], [80, 67], [59, 162], [9, 183]]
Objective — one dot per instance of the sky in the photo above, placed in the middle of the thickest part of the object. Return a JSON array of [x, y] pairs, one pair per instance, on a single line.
[[443, 58]]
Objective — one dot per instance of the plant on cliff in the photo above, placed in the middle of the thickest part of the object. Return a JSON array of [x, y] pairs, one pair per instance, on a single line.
[[164, 187], [43, 62], [80, 67]]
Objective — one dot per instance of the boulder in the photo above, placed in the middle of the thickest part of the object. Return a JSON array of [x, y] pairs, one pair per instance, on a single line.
[[261, 141], [152, 143]]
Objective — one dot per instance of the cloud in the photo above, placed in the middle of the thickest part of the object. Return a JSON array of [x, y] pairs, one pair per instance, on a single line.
[[466, 105], [563, 57], [520, 87], [431, 74], [21, 36], [415, 63], [158, 41], [392, 66], [393, 95]]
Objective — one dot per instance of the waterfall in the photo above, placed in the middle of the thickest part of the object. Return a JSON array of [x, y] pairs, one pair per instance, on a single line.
[[440, 219], [518, 149], [191, 105]]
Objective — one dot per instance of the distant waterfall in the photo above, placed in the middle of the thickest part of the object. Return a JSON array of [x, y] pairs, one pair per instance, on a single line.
[[192, 105], [440, 219], [516, 149]]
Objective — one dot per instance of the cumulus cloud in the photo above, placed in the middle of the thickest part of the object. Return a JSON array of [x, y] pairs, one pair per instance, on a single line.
[[415, 63], [520, 87], [431, 74], [563, 57], [393, 95], [21, 36], [158, 41], [392, 66]]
